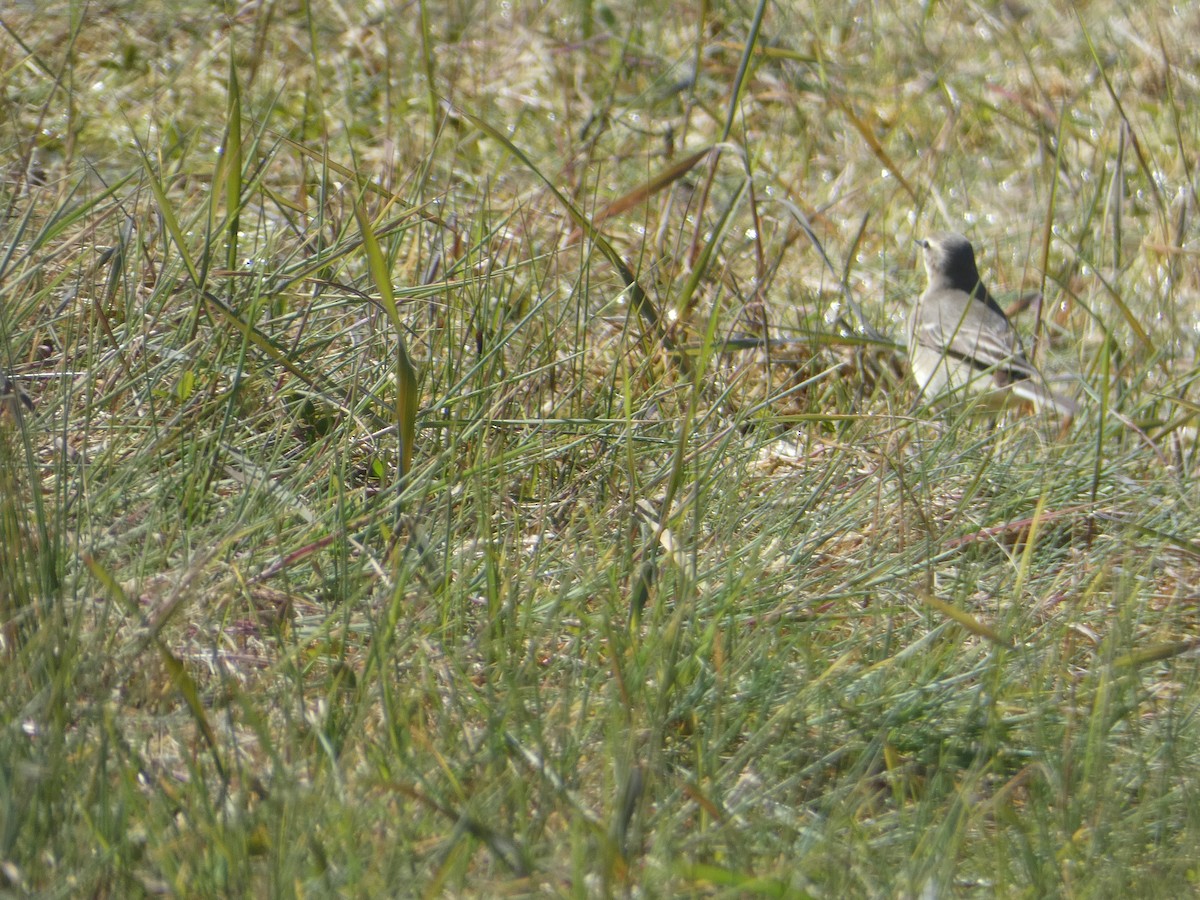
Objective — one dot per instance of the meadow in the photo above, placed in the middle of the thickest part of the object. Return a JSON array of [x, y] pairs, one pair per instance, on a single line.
[[467, 449]]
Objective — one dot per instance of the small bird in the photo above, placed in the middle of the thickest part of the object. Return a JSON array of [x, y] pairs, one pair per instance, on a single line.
[[959, 339]]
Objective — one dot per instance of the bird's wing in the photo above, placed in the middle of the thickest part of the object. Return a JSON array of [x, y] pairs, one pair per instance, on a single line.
[[955, 323]]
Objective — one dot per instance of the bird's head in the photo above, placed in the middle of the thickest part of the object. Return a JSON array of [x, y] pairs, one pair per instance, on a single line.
[[950, 261]]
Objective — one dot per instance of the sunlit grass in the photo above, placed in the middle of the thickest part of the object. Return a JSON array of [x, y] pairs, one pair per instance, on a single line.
[[469, 454]]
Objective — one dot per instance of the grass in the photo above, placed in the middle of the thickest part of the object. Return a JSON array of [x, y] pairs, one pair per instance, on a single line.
[[469, 455]]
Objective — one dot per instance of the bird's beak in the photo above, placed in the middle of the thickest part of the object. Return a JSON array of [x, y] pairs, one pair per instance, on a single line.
[[922, 243]]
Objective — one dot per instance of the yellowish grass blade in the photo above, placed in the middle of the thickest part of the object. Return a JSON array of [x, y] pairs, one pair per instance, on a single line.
[[406, 375]]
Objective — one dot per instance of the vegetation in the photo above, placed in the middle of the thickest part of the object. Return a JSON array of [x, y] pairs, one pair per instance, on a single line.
[[469, 453]]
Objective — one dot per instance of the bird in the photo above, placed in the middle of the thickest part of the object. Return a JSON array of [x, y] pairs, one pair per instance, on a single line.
[[960, 340]]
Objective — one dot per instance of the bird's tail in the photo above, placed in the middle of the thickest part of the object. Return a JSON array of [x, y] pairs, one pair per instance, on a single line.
[[1041, 396]]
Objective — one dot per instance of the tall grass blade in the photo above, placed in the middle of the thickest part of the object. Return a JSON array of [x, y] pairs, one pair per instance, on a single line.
[[406, 375]]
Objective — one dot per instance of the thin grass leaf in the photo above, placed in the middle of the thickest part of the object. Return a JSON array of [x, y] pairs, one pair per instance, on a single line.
[[741, 77], [322, 158], [686, 299], [406, 375], [1155, 653], [638, 298], [1143, 163], [167, 212], [964, 618], [649, 188], [868, 134], [704, 876], [1035, 524], [219, 311], [231, 168]]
